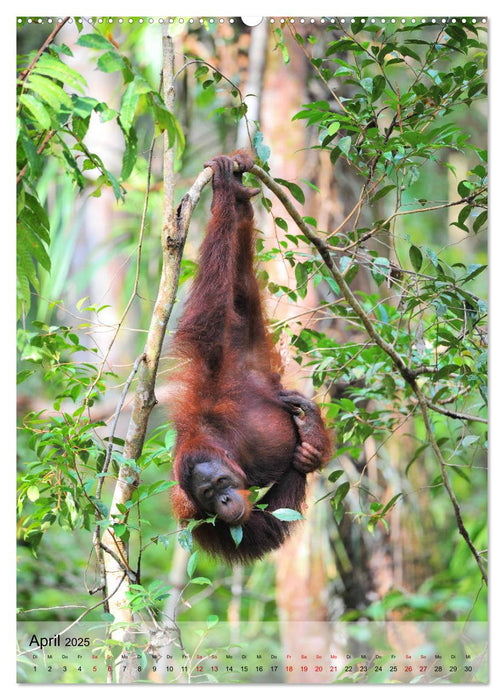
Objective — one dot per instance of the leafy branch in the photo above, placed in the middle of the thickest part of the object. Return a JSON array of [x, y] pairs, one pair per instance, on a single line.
[[407, 374]]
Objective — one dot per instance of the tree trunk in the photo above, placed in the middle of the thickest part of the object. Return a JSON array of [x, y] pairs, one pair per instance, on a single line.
[[117, 567]]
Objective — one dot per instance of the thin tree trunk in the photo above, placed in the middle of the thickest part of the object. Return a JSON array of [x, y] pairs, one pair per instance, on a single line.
[[254, 86], [117, 567]]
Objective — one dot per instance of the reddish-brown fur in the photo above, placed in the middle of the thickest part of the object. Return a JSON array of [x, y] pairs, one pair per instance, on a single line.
[[227, 401]]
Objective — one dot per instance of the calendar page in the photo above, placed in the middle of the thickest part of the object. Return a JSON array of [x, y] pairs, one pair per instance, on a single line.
[[252, 332]]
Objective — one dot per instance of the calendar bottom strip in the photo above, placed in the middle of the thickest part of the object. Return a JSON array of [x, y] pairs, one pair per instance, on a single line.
[[213, 651]]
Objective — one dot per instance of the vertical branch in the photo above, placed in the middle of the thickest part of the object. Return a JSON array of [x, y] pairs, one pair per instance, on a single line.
[[168, 158], [115, 552], [254, 86]]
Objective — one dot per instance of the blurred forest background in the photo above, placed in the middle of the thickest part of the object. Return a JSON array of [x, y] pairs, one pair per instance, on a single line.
[[377, 133]]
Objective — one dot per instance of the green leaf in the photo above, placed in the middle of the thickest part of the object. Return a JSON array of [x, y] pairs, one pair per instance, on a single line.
[[473, 271], [30, 219], [33, 493], [390, 503], [40, 215], [367, 84], [34, 160], [130, 154], [334, 476], [130, 100], [54, 68], [313, 187], [192, 563], [380, 269], [333, 128], [212, 620], [456, 33], [416, 257], [342, 45], [480, 221], [185, 540], [111, 62], [469, 440], [301, 280], [61, 48], [464, 188], [73, 167], [49, 91], [440, 307], [83, 106], [281, 223], [258, 493], [348, 268], [432, 256], [287, 514], [389, 385], [378, 87], [24, 374], [294, 189], [119, 529], [37, 109], [80, 128], [94, 41], [382, 192], [344, 144], [236, 533], [263, 151], [409, 52], [340, 493], [35, 246], [106, 113], [201, 71]]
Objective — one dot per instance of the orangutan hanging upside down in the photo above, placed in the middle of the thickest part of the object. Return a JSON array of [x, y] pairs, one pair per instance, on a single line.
[[237, 427]]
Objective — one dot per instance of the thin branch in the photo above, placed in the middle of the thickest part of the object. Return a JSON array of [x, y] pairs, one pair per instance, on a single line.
[[422, 210], [120, 560], [110, 444], [338, 276], [47, 137], [201, 61], [137, 271], [454, 414], [366, 191], [446, 483], [24, 74]]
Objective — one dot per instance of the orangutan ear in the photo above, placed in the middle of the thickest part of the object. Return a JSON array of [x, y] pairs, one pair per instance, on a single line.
[[182, 505]]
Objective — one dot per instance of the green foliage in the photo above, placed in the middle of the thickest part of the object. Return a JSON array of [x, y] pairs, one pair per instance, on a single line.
[[394, 117], [394, 105], [142, 599], [65, 462], [53, 118], [405, 83], [63, 456]]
